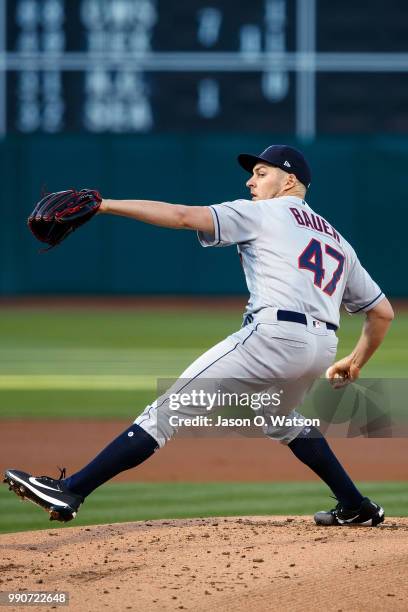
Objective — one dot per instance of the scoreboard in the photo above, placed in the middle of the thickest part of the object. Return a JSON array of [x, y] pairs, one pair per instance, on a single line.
[[278, 66]]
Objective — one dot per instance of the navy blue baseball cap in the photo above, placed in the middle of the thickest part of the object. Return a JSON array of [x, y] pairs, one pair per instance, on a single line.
[[286, 158]]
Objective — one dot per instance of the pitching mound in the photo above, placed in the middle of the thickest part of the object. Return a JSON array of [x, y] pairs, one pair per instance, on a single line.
[[264, 563]]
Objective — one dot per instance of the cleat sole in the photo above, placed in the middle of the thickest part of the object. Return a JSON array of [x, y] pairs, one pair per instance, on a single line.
[[64, 514]]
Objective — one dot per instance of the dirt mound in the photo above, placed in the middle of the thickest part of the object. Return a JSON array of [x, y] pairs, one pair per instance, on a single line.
[[205, 564]]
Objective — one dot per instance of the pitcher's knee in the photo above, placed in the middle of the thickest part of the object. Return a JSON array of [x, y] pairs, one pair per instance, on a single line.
[[156, 424]]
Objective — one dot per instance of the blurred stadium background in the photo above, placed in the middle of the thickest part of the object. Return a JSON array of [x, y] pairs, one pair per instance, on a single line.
[[154, 99]]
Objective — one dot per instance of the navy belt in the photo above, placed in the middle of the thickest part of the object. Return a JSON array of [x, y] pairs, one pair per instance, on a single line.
[[298, 317], [290, 315]]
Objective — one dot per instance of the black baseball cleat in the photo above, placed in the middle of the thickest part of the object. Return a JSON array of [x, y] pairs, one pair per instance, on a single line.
[[368, 514], [48, 493]]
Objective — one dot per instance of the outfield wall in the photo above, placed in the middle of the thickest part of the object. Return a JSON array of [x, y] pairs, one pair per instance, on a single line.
[[359, 185]]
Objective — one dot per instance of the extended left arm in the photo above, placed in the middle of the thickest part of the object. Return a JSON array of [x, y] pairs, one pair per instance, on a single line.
[[176, 216]]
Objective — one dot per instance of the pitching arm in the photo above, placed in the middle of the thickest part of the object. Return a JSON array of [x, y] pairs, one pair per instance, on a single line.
[[375, 327]]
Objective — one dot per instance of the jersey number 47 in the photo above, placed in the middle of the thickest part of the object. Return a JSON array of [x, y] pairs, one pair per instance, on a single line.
[[312, 259]]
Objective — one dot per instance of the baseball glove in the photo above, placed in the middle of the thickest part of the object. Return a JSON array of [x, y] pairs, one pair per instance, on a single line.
[[59, 214]]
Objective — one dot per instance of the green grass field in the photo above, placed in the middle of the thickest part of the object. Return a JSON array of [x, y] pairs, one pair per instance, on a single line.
[[120, 502], [104, 365], [56, 364]]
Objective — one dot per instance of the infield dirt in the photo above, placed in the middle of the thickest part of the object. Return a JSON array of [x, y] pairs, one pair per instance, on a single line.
[[271, 563], [39, 446]]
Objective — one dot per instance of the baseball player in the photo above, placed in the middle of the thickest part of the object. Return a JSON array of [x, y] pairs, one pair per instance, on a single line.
[[299, 270]]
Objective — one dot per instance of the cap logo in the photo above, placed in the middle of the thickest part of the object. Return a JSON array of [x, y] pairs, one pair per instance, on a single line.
[[286, 163]]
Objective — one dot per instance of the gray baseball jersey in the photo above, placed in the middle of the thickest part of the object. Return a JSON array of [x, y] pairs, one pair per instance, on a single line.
[[293, 258]]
